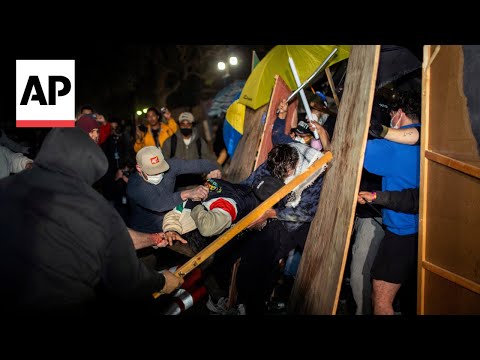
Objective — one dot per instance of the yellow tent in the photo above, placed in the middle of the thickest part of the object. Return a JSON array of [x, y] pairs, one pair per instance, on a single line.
[[307, 58]]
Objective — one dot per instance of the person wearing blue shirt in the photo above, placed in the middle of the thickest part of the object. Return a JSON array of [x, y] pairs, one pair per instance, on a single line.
[[399, 166]]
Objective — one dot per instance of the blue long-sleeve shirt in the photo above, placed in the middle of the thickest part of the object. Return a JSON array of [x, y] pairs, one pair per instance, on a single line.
[[399, 166], [149, 203], [293, 217], [278, 133]]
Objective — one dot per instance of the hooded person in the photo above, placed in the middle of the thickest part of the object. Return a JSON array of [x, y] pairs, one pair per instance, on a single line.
[[66, 248]]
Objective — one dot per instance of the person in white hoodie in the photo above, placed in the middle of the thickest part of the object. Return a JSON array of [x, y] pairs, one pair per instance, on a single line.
[[11, 162]]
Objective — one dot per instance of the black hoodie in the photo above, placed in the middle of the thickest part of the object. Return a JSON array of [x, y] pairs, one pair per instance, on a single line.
[[60, 240]]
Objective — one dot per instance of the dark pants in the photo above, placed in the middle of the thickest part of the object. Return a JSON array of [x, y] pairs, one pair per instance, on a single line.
[[260, 256]]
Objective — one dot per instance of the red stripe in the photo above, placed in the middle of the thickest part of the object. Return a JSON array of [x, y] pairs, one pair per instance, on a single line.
[[45, 123], [224, 205]]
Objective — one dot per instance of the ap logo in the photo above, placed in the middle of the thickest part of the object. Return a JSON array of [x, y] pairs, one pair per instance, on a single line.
[[45, 93]]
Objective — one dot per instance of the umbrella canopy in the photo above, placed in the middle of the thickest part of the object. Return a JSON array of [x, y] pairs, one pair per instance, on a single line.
[[307, 58], [395, 62], [225, 98]]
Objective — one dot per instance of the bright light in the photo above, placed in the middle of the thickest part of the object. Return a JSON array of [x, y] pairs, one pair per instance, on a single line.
[[145, 110], [221, 65], [139, 113], [233, 60]]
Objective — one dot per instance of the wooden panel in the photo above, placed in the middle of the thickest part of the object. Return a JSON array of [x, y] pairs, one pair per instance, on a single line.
[[450, 130], [280, 91], [443, 297], [453, 221], [448, 275], [317, 286], [469, 167], [241, 165]]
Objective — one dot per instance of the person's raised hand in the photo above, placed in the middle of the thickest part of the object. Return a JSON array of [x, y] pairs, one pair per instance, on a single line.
[[199, 193], [171, 236]]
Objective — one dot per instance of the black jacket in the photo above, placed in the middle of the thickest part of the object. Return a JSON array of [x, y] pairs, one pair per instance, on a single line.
[[61, 243], [405, 201]]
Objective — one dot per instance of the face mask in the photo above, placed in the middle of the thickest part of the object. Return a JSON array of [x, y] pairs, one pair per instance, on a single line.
[[395, 126], [154, 179], [299, 139], [323, 118], [186, 132]]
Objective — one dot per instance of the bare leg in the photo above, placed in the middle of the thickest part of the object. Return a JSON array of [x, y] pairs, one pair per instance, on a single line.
[[383, 296]]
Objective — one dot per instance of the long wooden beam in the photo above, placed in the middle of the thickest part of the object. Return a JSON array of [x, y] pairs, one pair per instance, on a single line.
[[332, 86]]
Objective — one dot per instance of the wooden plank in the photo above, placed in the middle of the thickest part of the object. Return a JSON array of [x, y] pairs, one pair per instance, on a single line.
[[422, 211], [332, 86], [451, 131], [317, 286], [241, 165], [453, 221], [280, 91], [232, 291], [450, 276], [451, 299], [471, 168]]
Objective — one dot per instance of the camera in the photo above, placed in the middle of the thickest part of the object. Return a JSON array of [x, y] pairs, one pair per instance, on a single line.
[[163, 110], [126, 173], [142, 128]]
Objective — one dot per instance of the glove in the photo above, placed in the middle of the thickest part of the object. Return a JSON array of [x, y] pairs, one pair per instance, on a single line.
[[376, 128]]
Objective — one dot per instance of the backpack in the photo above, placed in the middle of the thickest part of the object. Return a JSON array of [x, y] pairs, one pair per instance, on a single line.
[[173, 146]]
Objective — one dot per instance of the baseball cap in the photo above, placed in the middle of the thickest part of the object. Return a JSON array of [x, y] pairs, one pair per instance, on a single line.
[[151, 160], [186, 116], [302, 128]]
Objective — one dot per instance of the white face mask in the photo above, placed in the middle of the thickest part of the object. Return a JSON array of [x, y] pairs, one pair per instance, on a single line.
[[155, 179], [300, 139], [395, 126], [323, 118]]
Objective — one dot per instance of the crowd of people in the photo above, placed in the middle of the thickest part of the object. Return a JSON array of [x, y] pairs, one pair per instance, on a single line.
[[94, 196]]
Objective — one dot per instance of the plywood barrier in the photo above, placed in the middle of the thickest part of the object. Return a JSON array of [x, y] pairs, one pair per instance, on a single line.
[[317, 286]]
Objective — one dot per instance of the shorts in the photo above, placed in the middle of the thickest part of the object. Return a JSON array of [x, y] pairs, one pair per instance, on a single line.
[[396, 258]]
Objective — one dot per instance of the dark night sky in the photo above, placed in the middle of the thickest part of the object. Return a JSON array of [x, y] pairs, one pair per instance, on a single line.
[[104, 70]]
